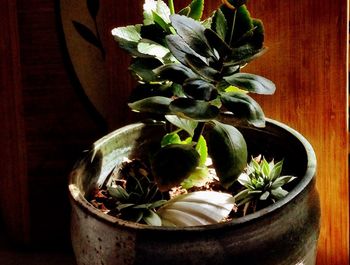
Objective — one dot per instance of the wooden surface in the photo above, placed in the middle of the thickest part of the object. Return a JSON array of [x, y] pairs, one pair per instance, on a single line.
[[48, 121], [307, 43], [13, 167]]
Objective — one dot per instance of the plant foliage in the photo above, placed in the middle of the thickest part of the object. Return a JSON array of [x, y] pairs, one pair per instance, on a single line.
[[191, 70]]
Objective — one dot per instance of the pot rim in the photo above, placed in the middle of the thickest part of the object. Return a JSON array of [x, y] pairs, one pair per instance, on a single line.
[[310, 172]]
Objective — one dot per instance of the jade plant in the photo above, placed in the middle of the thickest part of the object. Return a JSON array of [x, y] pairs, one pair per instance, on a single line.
[[188, 72]]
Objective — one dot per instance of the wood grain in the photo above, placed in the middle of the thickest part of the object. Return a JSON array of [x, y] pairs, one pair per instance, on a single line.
[[307, 59], [13, 166], [46, 120]]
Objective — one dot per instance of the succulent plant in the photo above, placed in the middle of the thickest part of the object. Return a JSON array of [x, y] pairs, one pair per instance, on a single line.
[[134, 194], [262, 181], [189, 72]]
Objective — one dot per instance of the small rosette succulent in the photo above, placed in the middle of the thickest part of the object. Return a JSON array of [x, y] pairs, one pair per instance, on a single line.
[[262, 181]]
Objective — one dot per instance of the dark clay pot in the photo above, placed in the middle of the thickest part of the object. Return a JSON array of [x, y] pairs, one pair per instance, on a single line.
[[283, 233]]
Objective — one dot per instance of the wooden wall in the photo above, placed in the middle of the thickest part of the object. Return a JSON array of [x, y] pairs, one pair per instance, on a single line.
[[46, 120]]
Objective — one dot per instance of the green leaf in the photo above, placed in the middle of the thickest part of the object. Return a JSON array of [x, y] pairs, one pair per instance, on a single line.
[[279, 182], [153, 49], [174, 72], [143, 68], [155, 6], [265, 167], [244, 107], [118, 192], [244, 180], [228, 150], [217, 43], [201, 68], [276, 171], [197, 179], [220, 24], [160, 21], [196, 9], [174, 163], [192, 32], [179, 48], [194, 109], [170, 138], [252, 83], [151, 218], [129, 33], [279, 193], [156, 104], [199, 89], [184, 124], [157, 204], [202, 150], [245, 54], [264, 196]]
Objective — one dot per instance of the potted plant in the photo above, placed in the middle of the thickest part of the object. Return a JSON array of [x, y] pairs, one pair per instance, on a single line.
[[202, 182]]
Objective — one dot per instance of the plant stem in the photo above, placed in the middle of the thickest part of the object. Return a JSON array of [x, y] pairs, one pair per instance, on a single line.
[[198, 132], [171, 7], [233, 25]]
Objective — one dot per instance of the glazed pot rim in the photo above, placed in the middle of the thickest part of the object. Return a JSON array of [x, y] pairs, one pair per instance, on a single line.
[[310, 172]]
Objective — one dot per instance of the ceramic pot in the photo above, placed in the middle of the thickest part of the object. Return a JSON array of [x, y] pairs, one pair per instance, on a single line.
[[283, 233]]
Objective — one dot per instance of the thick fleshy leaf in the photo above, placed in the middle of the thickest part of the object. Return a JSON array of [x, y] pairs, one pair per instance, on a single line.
[[160, 21], [217, 43], [151, 218], [157, 104], [194, 109], [129, 33], [153, 32], [243, 106], [184, 124], [118, 192], [192, 32], [199, 89], [242, 18], [143, 68], [202, 149], [199, 177], [174, 72], [196, 208], [173, 163], [155, 6], [201, 68], [279, 182], [128, 38], [276, 170], [170, 138], [196, 9], [252, 83], [179, 48], [220, 24], [153, 49], [245, 54], [228, 150], [279, 193]]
